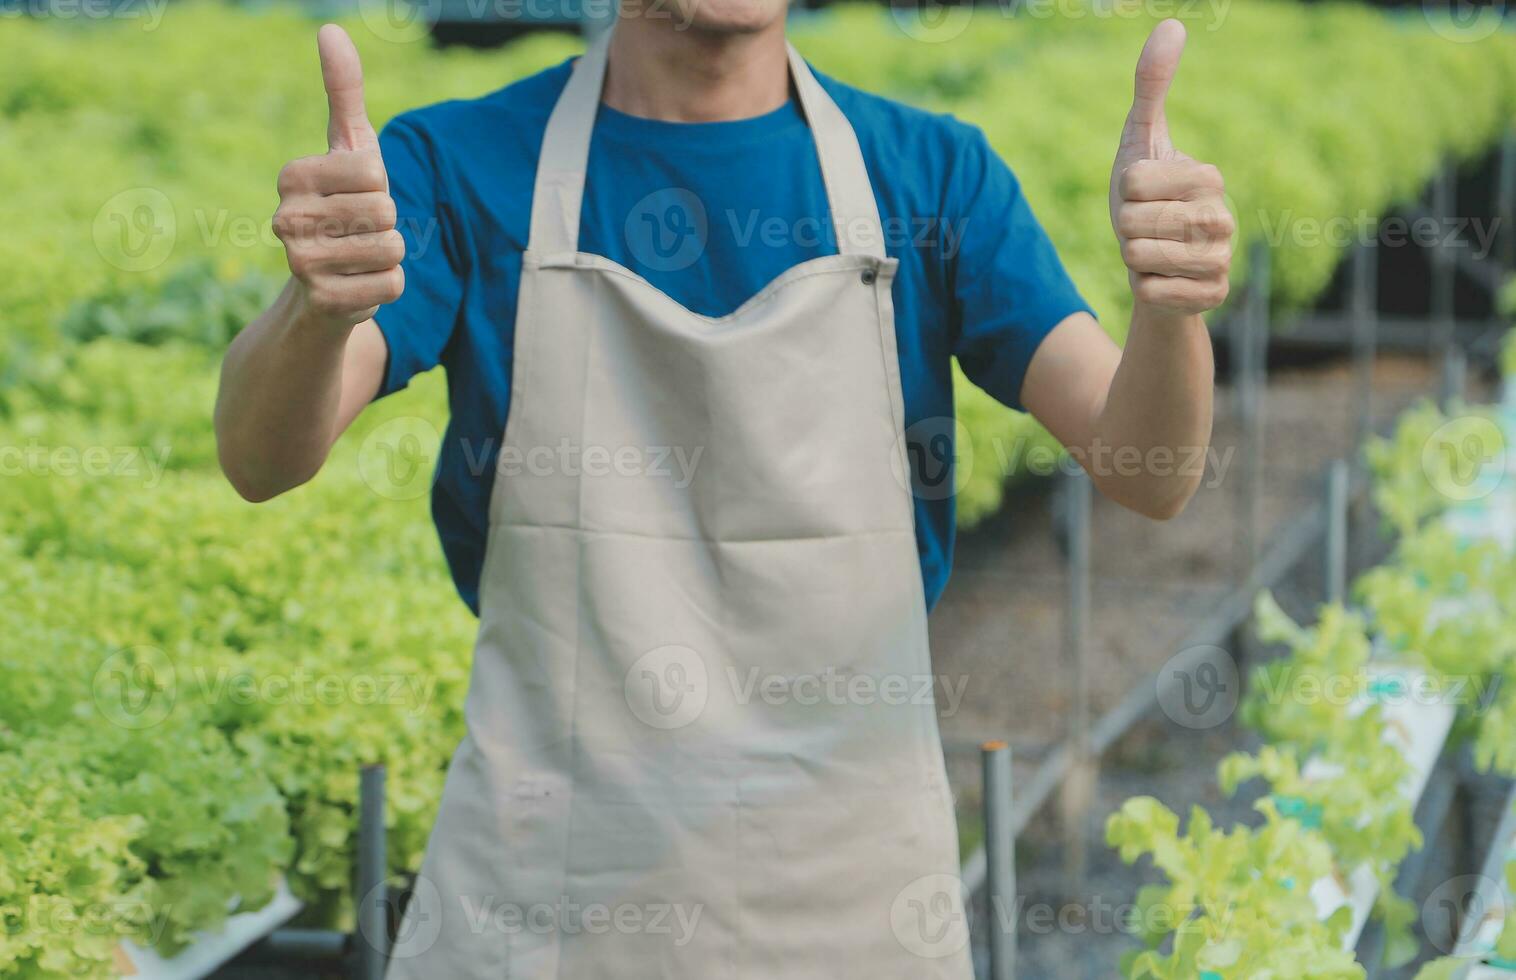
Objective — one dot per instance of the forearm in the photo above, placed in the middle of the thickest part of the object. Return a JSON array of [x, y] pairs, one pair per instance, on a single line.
[[1151, 434], [281, 391]]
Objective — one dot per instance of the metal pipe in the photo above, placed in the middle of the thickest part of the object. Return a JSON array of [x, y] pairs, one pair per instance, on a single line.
[[373, 897], [1455, 367], [1000, 855], [1076, 794], [305, 944], [1252, 376], [1250, 441], [1364, 312], [1505, 201], [1443, 278], [1336, 550]]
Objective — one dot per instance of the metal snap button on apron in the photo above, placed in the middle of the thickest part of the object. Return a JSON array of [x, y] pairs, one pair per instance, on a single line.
[[700, 737]]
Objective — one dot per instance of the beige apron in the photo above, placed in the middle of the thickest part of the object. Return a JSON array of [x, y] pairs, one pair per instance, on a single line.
[[701, 737]]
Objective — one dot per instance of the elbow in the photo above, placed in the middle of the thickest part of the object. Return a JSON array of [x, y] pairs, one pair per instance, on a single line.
[[1166, 506], [252, 484], [252, 492], [249, 488], [1164, 510], [1156, 503]]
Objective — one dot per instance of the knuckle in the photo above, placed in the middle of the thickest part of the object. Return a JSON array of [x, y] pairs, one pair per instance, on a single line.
[[370, 169], [1126, 220], [299, 175], [1134, 180], [1131, 252], [283, 223], [1216, 222], [1210, 176], [391, 285], [1148, 290], [393, 244], [325, 300], [386, 214], [289, 179], [301, 264]]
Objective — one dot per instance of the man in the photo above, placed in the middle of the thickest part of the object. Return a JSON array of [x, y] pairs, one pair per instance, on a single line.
[[682, 756]]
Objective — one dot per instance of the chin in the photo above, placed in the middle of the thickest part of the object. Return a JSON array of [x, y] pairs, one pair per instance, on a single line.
[[729, 16]]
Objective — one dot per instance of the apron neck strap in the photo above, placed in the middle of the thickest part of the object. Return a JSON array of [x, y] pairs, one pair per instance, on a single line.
[[559, 190]]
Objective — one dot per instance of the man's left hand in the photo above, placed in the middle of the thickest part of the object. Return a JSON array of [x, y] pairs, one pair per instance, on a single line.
[[1168, 209]]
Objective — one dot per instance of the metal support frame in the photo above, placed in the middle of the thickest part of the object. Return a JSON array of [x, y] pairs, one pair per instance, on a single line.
[[1363, 309], [1505, 201], [373, 892], [1250, 352], [1453, 379], [1251, 373], [1078, 790], [1000, 858], [1335, 554], [1444, 274], [1491, 873]]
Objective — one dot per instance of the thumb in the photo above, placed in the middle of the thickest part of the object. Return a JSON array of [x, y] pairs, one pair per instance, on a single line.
[[342, 75], [1155, 73]]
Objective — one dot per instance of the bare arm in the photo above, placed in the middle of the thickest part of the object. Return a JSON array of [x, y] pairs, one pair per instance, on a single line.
[[289, 387], [295, 379], [1139, 418]]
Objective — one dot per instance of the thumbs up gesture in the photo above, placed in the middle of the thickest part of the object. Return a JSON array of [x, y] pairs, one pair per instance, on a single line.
[[335, 217], [1167, 209]]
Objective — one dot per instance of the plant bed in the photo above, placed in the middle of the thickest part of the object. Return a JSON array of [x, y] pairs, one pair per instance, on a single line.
[[209, 950]]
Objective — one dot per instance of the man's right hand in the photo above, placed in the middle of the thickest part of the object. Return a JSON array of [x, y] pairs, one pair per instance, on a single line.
[[298, 375], [335, 216]]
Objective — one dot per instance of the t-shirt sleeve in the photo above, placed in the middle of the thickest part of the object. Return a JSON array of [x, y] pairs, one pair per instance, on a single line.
[[1009, 286], [416, 327]]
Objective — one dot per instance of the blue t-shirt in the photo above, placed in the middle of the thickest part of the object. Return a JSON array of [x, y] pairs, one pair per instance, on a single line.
[[978, 278]]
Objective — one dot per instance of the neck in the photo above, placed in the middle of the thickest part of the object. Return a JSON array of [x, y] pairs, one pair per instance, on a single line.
[[688, 75]]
